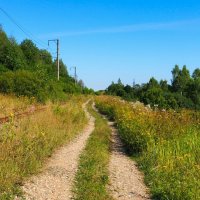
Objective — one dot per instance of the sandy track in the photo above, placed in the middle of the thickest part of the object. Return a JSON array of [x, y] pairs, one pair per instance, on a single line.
[[56, 180], [126, 181]]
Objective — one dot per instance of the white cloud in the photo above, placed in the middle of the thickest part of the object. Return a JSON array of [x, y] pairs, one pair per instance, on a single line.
[[124, 29]]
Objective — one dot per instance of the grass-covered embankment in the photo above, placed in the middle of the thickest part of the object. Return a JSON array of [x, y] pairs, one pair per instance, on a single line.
[[92, 175], [26, 143], [10, 105], [166, 146]]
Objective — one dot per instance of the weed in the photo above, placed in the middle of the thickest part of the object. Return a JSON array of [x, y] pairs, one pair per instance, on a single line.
[[92, 176], [165, 144], [26, 143]]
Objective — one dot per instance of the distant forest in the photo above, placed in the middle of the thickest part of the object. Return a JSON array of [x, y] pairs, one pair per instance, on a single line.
[[183, 92], [26, 70]]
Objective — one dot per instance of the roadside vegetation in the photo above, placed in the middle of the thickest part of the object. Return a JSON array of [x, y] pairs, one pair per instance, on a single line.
[[92, 175], [28, 82], [183, 92], [10, 105], [25, 143], [29, 71], [166, 146]]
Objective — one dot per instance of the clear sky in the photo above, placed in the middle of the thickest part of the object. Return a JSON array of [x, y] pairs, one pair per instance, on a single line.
[[108, 39]]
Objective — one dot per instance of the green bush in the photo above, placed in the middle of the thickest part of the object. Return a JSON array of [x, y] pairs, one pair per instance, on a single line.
[[28, 84], [7, 82], [29, 71]]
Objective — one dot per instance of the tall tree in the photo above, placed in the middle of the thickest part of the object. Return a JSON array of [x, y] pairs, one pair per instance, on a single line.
[[31, 52], [181, 79], [175, 73], [164, 86], [196, 73], [11, 56], [153, 83]]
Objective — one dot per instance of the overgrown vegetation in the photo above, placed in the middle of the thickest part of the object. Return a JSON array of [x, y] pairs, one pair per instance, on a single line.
[[183, 92], [92, 175], [165, 144], [11, 105], [25, 143], [28, 71]]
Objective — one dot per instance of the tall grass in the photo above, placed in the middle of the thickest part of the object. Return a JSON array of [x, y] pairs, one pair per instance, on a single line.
[[165, 144], [9, 105], [26, 143]]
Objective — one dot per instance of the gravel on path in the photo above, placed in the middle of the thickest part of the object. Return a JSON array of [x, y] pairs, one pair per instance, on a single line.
[[126, 181], [55, 182]]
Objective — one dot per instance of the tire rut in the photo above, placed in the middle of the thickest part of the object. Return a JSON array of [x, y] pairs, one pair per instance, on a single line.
[[55, 182], [126, 181]]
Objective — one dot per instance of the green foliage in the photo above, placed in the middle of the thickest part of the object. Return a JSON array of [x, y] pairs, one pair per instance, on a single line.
[[7, 82], [154, 96], [28, 84], [166, 146], [46, 57], [86, 90], [11, 55], [55, 91], [3, 68], [196, 74], [28, 71], [31, 52], [183, 93], [22, 83], [63, 69], [181, 80]]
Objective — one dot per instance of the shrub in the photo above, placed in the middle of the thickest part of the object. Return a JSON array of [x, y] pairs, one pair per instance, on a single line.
[[167, 145], [6, 82]]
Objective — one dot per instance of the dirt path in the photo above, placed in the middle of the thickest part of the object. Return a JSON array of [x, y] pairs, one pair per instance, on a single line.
[[56, 180], [126, 182]]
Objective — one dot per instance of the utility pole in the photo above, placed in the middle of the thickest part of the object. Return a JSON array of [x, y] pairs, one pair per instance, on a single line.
[[58, 54], [75, 74], [133, 82]]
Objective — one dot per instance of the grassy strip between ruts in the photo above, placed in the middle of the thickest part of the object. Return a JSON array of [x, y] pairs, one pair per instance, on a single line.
[[26, 143], [92, 175]]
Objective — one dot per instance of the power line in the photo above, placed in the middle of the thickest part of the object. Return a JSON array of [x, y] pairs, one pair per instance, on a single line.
[[19, 26], [30, 35]]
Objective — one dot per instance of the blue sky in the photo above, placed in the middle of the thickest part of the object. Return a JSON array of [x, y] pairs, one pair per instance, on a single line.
[[108, 39]]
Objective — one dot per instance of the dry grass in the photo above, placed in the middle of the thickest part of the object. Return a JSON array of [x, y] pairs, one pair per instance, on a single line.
[[10, 105], [25, 143]]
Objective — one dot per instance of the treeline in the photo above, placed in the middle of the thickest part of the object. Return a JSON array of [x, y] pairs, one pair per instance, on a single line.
[[29, 71], [183, 92]]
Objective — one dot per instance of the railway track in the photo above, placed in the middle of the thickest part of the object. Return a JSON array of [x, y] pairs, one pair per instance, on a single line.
[[31, 111]]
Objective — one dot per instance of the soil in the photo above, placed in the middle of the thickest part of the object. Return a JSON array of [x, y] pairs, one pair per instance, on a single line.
[[55, 182], [126, 181]]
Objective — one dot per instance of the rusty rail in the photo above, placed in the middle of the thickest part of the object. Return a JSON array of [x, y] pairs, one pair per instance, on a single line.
[[31, 111]]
